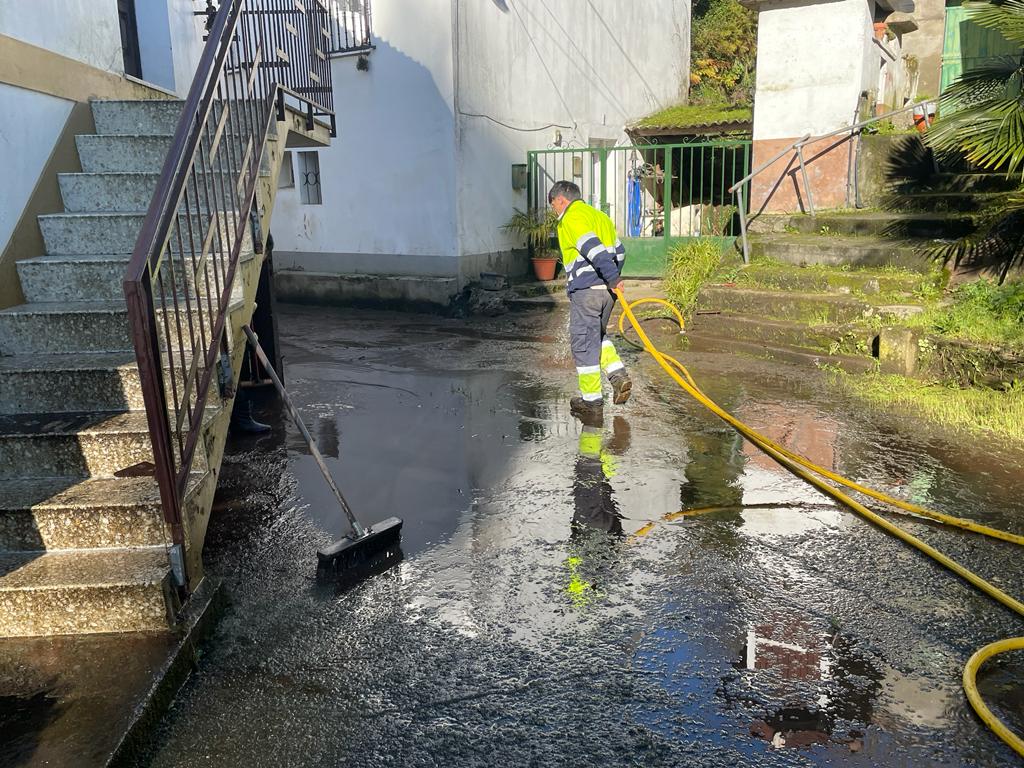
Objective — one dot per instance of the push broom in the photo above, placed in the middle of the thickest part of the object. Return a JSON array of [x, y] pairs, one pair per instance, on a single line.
[[367, 547]]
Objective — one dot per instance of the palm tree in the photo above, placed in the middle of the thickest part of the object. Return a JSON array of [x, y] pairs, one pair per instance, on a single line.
[[982, 120], [983, 111]]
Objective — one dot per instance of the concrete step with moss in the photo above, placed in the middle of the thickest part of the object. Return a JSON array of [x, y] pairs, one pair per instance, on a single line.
[[131, 192], [105, 590], [944, 200], [108, 233], [960, 182], [833, 339], [702, 341], [924, 225], [136, 117], [812, 278], [783, 305], [71, 513], [837, 251]]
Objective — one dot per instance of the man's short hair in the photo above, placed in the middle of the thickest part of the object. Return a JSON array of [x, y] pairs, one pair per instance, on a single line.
[[565, 189]]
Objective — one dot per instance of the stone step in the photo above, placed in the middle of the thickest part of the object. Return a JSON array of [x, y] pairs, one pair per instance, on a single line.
[[706, 342], [69, 383], [64, 327], [129, 192], [853, 251], [141, 153], [92, 444], [941, 201], [115, 233], [155, 116], [72, 444], [97, 277], [962, 182], [826, 279], [896, 225], [804, 307], [54, 328], [107, 590], [122, 154], [70, 513], [833, 339]]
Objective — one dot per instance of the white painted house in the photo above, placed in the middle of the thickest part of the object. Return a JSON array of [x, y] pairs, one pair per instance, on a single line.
[[419, 181]]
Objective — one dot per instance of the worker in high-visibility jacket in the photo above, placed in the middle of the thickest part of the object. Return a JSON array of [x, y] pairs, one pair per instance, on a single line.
[[593, 256]]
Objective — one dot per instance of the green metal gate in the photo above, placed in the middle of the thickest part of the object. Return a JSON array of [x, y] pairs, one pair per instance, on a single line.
[[658, 195], [966, 45]]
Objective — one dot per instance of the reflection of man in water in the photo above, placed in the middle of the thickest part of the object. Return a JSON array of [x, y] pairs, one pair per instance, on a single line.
[[596, 513]]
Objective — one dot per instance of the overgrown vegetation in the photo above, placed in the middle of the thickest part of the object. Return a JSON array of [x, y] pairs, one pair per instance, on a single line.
[[690, 266], [980, 311], [982, 120], [723, 53], [682, 116], [976, 410]]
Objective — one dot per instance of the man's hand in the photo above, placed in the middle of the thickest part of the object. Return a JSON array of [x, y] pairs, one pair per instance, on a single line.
[[618, 286]]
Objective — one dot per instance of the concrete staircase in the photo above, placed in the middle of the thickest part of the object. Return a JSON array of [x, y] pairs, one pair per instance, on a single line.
[[820, 287], [83, 545]]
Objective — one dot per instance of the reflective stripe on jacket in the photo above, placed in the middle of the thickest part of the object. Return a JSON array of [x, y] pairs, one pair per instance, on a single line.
[[592, 253]]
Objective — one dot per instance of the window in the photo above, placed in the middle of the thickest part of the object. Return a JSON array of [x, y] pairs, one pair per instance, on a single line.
[[286, 179], [309, 178]]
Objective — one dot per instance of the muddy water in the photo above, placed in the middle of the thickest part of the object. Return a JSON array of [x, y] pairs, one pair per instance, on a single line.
[[551, 610]]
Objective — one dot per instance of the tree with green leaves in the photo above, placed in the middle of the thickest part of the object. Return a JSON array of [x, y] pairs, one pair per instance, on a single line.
[[723, 53]]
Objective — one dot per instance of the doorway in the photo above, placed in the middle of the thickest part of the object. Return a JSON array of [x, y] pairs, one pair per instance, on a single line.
[[129, 38]]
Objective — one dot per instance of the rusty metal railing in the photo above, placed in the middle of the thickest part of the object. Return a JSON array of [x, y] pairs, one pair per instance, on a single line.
[[260, 55], [351, 27]]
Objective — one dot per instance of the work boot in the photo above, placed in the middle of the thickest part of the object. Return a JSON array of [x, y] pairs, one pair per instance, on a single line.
[[622, 385], [243, 422], [590, 412]]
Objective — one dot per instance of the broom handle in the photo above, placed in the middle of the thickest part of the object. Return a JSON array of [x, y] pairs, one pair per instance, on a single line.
[[357, 527]]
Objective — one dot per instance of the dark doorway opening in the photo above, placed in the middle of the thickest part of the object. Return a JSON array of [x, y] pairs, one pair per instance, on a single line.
[[129, 38]]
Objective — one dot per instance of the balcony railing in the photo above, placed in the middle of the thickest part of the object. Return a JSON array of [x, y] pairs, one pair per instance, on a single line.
[[180, 284], [351, 28]]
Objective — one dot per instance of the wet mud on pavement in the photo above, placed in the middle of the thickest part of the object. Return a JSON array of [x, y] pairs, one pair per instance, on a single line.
[[546, 613]]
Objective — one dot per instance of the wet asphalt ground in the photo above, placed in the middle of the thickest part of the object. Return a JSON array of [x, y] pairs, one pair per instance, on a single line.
[[546, 613]]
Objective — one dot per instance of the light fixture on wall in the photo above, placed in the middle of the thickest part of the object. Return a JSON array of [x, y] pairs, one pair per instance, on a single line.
[[557, 140], [577, 167]]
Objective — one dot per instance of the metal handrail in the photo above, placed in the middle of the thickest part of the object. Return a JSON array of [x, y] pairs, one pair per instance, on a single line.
[[797, 146], [351, 29], [178, 286]]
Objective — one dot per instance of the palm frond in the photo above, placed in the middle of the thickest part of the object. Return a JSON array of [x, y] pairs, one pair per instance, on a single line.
[[1006, 17]]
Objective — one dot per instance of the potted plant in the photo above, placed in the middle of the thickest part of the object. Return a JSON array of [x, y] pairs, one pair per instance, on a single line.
[[537, 227]]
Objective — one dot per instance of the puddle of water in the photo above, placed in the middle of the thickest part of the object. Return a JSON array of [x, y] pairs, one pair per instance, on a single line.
[[554, 606]]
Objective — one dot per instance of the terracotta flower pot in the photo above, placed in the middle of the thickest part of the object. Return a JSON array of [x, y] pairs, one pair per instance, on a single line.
[[544, 268]]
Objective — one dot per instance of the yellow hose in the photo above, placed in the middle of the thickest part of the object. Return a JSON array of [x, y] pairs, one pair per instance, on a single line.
[[803, 468]]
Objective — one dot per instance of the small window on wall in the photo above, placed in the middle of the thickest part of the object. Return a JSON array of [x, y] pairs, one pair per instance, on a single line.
[[286, 179], [309, 178]]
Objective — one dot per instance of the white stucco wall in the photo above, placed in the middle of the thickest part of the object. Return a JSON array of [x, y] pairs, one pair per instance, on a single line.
[[590, 66], [388, 180], [813, 61], [411, 188], [30, 124], [85, 30]]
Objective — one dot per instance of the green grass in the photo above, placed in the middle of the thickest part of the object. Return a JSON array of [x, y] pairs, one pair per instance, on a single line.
[[980, 311], [976, 410], [685, 115], [689, 267]]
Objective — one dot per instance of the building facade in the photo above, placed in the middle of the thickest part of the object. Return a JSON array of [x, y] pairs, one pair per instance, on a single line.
[[431, 122]]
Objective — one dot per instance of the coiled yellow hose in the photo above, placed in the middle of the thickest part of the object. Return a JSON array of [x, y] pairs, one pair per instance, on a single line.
[[803, 468]]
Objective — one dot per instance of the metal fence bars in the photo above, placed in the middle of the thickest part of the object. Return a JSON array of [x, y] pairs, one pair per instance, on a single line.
[[657, 194], [350, 27], [180, 281]]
